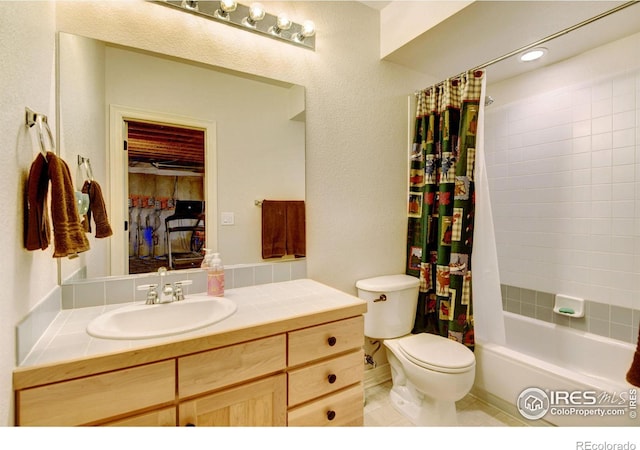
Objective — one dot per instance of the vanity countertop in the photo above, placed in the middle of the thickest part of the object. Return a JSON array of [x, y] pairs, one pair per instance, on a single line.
[[262, 310]]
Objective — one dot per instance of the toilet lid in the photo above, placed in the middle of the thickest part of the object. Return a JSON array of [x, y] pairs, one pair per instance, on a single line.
[[437, 353]]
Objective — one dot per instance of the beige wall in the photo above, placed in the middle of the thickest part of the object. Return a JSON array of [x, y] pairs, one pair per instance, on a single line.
[[27, 52], [356, 129]]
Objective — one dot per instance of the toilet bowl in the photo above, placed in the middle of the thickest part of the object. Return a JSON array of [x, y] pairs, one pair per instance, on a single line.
[[429, 373]]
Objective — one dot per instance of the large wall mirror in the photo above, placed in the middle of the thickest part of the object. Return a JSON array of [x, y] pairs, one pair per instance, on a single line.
[[195, 136]]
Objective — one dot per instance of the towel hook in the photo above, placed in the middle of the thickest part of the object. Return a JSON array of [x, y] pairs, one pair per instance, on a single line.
[[32, 118], [87, 166]]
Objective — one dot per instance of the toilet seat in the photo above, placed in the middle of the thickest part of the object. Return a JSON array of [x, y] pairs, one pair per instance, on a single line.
[[436, 353]]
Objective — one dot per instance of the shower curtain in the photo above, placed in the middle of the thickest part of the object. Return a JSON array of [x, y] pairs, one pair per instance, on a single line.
[[442, 205]]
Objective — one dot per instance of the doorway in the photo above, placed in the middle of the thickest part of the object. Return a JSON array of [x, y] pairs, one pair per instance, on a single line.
[[166, 196], [167, 166]]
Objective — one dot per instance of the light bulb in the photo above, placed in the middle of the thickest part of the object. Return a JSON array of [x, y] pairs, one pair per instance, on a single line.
[[190, 5], [256, 13], [226, 7], [282, 23], [308, 30]]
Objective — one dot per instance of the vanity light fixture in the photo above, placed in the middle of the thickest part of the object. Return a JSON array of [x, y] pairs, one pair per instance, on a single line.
[[226, 7], [533, 54], [250, 18]]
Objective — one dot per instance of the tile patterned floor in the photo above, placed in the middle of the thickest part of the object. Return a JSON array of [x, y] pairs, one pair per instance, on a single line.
[[472, 412]]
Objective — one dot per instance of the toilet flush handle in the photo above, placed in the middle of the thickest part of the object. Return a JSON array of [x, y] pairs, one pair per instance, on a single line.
[[382, 298]]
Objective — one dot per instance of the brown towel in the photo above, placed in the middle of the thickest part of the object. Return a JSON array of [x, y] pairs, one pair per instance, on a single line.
[[37, 235], [296, 237], [283, 228], [98, 209], [633, 375], [68, 235], [274, 229]]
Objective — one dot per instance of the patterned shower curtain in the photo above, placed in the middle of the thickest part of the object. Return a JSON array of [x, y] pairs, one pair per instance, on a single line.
[[441, 206]]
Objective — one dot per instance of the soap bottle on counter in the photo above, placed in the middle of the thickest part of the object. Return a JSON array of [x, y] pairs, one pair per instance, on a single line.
[[215, 276], [208, 254]]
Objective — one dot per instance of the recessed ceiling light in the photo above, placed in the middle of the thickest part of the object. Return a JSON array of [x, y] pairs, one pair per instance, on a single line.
[[533, 54]]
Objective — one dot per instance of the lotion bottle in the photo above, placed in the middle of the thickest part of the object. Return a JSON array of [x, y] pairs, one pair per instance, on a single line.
[[207, 258], [215, 276]]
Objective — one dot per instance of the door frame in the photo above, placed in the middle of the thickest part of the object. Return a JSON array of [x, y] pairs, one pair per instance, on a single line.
[[117, 168]]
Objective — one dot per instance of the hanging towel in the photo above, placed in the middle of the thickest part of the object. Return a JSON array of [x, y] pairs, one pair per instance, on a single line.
[[68, 236], [283, 228], [37, 235], [296, 237], [98, 209], [274, 229], [633, 375]]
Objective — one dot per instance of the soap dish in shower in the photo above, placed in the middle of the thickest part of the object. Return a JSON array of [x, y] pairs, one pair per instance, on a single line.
[[569, 306]]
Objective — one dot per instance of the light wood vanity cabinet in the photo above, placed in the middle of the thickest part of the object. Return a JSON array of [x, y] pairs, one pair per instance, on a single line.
[[165, 417], [302, 376], [255, 403], [326, 368], [260, 403], [89, 400]]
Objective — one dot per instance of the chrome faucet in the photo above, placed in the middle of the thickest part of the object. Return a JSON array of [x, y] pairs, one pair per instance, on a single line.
[[169, 293]]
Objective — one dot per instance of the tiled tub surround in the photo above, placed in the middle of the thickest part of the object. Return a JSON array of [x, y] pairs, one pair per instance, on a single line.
[[117, 291], [564, 174], [602, 319]]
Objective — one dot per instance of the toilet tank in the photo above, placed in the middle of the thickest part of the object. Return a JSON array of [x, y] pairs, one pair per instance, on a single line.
[[391, 305]]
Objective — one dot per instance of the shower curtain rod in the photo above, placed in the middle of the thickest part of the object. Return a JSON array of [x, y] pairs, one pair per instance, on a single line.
[[546, 39], [558, 34]]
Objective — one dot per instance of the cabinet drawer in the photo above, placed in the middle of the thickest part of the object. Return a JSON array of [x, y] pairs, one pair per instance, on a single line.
[[91, 399], [218, 368], [325, 340], [344, 408], [323, 378], [165, 417]]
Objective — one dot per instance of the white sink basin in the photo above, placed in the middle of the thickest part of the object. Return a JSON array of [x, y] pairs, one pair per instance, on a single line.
[[142, 321]]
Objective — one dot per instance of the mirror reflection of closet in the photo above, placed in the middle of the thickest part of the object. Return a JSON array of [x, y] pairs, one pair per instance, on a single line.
[[166, 195]]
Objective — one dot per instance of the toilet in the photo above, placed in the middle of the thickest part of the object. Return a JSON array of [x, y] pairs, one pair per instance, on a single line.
[[429, 372]]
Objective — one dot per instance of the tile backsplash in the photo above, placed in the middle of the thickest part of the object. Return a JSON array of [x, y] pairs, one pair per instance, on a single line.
[[116, 290], [109, 291], [611, 321], [29, 330]]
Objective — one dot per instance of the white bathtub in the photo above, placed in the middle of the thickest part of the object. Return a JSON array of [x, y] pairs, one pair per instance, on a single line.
[[559, 359]]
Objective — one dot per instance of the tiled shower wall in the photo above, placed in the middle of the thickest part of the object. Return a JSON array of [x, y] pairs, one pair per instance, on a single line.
[[564, 176], [615, 322]]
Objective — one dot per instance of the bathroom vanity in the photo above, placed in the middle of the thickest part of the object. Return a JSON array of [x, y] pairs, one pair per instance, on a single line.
[[291, 355]]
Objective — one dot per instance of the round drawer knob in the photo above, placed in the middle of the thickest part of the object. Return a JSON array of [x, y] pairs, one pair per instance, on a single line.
[[332, 378], [331, 415], [332, 341]]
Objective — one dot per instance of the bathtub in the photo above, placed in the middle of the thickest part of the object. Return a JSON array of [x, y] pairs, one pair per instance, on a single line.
[[558, 360]]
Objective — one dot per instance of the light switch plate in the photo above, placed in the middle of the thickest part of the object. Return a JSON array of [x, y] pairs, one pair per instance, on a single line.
[[227, 218]]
